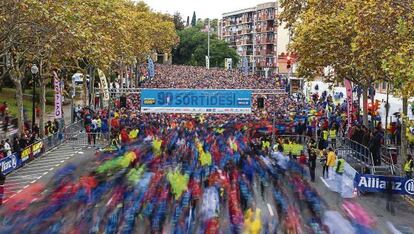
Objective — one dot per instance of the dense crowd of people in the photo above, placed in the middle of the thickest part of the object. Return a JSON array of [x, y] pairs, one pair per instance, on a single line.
[[202, 173]]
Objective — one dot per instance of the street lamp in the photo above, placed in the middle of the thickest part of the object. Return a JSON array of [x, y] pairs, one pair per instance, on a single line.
[[34, 71]]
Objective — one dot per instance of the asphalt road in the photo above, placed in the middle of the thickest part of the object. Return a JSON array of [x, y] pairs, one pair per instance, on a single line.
[[42, 169]]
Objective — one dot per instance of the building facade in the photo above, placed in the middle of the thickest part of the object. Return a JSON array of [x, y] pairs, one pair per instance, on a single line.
[[253, 33]]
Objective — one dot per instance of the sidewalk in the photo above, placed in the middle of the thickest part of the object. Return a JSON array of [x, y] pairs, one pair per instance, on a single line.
[[11, 130]]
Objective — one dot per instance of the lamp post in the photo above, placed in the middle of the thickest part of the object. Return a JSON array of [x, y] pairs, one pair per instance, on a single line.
[[34, 71]]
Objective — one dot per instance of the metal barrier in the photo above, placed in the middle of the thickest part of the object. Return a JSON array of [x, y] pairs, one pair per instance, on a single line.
[[358, 153], [83, 139]]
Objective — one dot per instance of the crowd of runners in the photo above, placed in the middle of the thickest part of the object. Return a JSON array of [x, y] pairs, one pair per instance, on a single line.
[[180, 173]]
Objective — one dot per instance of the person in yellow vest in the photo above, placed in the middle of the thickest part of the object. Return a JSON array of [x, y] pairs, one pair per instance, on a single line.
[[265, 145], [252, 220], [339, 171], [331, 162], [409, 167], [325, 135], [332, 135]]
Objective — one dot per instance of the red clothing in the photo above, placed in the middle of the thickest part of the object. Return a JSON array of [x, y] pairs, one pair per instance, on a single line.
[[124, 136], [302, 159], [115, 123]]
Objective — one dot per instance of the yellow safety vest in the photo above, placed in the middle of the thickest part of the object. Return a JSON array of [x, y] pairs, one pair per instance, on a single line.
[[332, 133], [265, 145], [325, 135], [407, 166], [341, 168]]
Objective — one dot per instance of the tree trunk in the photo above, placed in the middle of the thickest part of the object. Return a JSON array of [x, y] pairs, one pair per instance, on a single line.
[[42, 101], [404, 145], [19, 101], [85, 92], [365, 106]]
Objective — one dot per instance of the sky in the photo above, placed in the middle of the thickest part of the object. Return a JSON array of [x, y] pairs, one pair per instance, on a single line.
[[203, 8]]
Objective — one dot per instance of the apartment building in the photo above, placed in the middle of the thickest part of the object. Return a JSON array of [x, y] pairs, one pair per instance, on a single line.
[[253, 33]]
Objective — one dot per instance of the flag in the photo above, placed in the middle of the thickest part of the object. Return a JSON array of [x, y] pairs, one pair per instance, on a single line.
[[151, 70], [245, 66], [348, 87]]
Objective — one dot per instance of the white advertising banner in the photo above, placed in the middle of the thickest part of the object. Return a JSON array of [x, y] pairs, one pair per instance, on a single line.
[[104, 88], [343, 184], [58, 96]]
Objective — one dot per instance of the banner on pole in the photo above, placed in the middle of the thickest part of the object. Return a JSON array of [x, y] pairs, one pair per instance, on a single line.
[[104, 88], [349, 100], [151, 69], [58, 96], [245, 66]]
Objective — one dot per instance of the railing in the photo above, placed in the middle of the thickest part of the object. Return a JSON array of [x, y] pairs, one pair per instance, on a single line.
[[37, 149], [83, 139], [360, 153]]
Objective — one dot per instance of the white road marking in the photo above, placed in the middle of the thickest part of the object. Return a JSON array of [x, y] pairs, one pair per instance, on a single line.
[[270, 210], [33, 181], [326, 184], [51, 169]]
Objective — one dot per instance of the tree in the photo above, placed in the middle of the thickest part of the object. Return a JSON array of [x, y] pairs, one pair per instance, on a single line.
[[349, 36], [193, 49], [178, 21], [193, 20], [64, 34], [398, 62], [188, 21]]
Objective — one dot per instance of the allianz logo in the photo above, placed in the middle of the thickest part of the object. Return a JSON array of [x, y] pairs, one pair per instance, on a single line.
[[5, 165], [377, 183]]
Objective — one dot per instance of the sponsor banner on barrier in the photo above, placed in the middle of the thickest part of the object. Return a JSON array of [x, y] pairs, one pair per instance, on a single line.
[[196, 101], [375, 184], [37, 149], [9, 164], [25, 154]]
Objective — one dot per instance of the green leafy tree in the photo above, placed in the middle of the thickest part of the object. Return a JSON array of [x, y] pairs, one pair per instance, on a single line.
[[178, 21], [193, 49]]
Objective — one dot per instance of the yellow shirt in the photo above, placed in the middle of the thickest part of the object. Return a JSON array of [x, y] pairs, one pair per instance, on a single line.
[[331, 161]]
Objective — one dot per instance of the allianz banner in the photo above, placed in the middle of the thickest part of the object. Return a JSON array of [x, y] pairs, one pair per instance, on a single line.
[[196, 101], [372, 183], [9, 164]]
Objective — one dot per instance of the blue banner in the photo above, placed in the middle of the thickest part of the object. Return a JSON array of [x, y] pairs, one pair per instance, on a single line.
[[151, 69], [10, 163], [196, 101], [375, 184], [245, 66]]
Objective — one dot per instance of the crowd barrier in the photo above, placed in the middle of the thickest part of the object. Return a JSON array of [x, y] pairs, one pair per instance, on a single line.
[[33, 151], [84, 139], [359, 153]]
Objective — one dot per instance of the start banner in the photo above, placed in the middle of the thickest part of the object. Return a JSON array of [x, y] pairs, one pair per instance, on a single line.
[[375, 184], [196, 101]]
